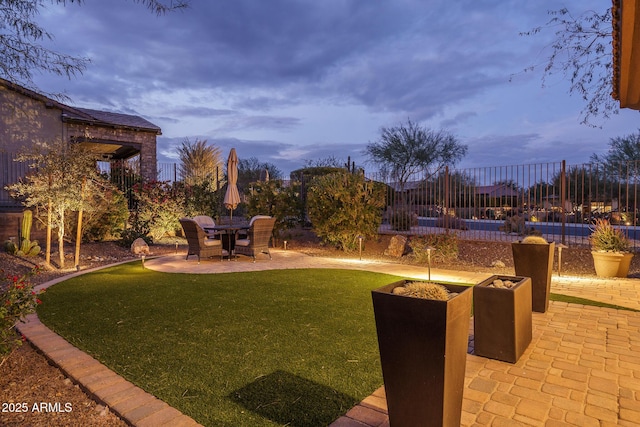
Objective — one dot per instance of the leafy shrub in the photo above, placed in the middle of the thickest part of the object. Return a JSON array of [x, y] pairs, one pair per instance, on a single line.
[[136, 230], [273, 199], [18, 300], [444, 247], [204, 199], [107, 217], [343, 206], [159, 206]]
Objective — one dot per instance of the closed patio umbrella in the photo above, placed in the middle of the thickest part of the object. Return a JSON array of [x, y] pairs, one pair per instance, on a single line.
[[232, 197]]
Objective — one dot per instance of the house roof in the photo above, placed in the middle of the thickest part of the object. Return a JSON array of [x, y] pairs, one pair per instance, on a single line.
[[497, 190], [109, 118], [85, 115], [626, 52]]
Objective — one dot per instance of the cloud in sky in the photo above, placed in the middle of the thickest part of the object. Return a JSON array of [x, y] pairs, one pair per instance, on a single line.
[[292, 80]]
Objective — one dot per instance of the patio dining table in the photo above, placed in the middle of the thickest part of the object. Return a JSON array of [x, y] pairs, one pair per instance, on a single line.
[[230, 231]]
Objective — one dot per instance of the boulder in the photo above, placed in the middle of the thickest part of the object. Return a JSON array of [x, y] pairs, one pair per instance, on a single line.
[[139, 247], [397, 246]]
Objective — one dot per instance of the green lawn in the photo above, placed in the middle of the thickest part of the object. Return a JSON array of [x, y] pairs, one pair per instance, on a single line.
[[294, 347]]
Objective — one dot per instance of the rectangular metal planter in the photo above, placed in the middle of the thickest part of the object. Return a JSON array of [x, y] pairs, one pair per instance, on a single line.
[[535, 261], [423, 349], [502, 319]]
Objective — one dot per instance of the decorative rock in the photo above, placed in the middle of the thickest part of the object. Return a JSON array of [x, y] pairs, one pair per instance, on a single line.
[[139, 247], [498, 264], [397, 246], [501, 284]]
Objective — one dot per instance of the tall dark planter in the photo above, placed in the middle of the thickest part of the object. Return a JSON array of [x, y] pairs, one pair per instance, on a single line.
[[502, 324], [535, 261], [423, 349]]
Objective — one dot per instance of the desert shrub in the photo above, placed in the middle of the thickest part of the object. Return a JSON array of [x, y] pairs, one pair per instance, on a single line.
[[204, 199], [10, 247], [106, 219], [343, 206], [448, 221], [517, 224], [402, 220], [273, 199], [18, 300], [137, 229], [159, 206], [445, 247], [604, 237]]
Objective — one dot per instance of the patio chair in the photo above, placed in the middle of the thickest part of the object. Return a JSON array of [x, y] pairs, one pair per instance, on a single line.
[[205, 222], [242, 234], [199, 243], [258, 237]]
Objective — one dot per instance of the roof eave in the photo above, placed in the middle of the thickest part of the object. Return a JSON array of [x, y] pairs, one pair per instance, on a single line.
[[626, 53]]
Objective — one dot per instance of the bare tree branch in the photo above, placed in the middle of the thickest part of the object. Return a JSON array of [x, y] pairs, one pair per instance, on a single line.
[[581, 51]]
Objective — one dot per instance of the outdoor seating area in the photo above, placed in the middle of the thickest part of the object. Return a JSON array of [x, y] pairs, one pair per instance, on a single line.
[[207, 239]]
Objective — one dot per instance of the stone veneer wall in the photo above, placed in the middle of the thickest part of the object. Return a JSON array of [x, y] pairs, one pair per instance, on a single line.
[[144, 141]]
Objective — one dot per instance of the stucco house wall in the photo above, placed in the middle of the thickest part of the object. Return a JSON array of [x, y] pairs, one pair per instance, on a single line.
[[27, 117]]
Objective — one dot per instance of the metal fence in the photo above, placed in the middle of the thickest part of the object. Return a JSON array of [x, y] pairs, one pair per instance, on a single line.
[[555, 200], [10, 172], [499, 203]]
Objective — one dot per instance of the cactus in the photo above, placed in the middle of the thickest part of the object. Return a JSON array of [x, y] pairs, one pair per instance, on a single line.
[[27, 246], [536, 240], [424, 290], [27, 219]]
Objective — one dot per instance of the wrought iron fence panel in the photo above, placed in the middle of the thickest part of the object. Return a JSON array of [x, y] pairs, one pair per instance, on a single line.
[[505, 203], [10, 172], [500, 203]]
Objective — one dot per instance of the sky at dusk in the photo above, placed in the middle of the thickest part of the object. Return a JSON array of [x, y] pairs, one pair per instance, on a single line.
[[292, 81]]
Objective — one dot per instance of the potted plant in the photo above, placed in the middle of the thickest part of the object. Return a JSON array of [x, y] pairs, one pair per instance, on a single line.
[[610, 250], [423, 333], [504, 333], [533, 257]]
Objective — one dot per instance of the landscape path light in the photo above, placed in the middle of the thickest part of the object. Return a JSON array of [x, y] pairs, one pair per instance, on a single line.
[[429, 249], [560, 247]]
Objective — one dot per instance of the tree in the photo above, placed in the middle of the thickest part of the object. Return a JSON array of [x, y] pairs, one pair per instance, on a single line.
[[252, 170], [200, 163], [581, 51], [623, 157], [408, 149], [21, 54], [64, 179], [622, 149]]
